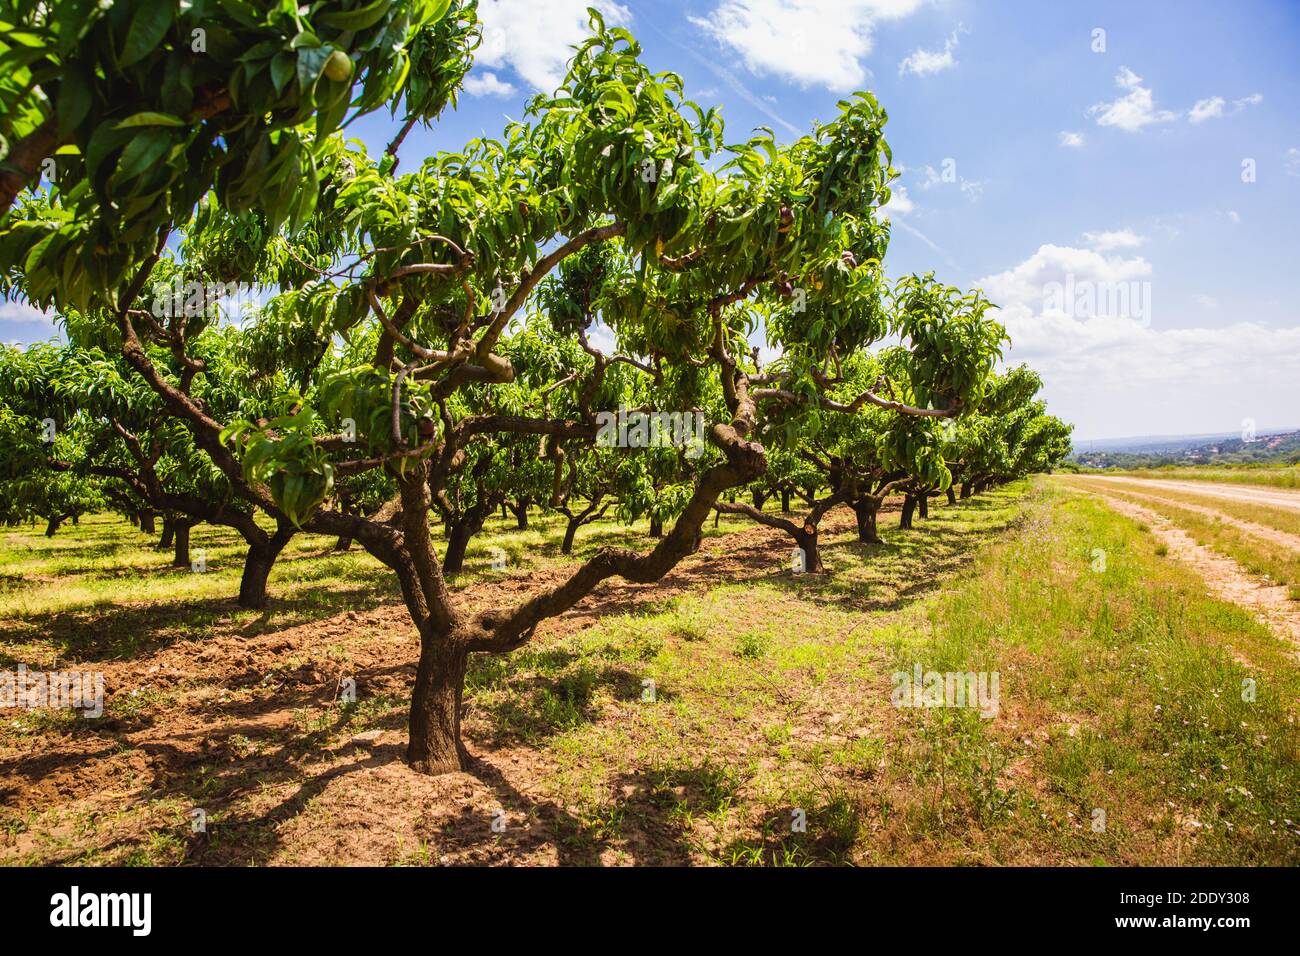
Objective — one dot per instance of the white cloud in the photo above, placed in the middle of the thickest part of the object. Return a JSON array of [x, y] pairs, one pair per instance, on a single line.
[[535, 39], [924, 62], [1205, 301], [1026, 282], [1234, 215], [1112, 375], [1206, 109], [811, 42], [1072, 140], [1293, 161], [1213, 107], [487, 84], [1114, 239], [1135, 109], [15, 311]]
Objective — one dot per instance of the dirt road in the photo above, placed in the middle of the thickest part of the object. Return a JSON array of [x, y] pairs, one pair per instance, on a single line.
[[1252, 494]]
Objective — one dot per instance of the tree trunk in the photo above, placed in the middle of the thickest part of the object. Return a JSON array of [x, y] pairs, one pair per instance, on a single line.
[[344, 543], [785, 501], [923, 506], [181, 543], [965, 490], [52, 526], [457, 542], [435, 746], [570, 530], [812, 556], [952, 496], [146, 522], [168, 533], [866, 510], [909, 506], [760, 499], [257, 568], [521, 515], [656, 528]]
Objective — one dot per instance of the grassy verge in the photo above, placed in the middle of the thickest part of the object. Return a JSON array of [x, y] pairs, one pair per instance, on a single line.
[[1255, 555]]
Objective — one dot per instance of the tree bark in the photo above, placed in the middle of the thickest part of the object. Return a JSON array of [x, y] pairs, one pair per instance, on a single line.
[[146, 522], [923, 505], [952, 496], [965, 490], [435, 746], [257, 568], [344, 543], [168, 533], [453, 561], [570, 531], [22, 165], [520, 509], [909, 506], [785, 501], [656, 528], [866, 510], [812, 556], [52, 527], [181, 544]]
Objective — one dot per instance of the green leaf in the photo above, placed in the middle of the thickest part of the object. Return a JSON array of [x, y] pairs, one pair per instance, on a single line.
[[148, 118], [149, 25], [358, 19]]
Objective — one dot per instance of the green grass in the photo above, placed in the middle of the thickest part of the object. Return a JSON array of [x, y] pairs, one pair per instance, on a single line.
[[1255, 555]]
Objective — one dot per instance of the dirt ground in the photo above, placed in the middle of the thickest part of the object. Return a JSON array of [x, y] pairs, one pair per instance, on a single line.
[[224, 734]]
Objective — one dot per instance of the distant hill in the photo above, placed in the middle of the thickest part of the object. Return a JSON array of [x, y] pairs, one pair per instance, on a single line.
[[1152, 451]]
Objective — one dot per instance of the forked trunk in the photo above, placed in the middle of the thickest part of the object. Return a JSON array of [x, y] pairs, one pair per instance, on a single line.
[[435, 746], [521, 515]]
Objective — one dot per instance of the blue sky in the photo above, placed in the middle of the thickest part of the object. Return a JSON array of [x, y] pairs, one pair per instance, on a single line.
[[1038, 156]]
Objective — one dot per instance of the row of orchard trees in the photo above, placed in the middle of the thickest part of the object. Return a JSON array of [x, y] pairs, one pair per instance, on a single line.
[[424, 352]]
